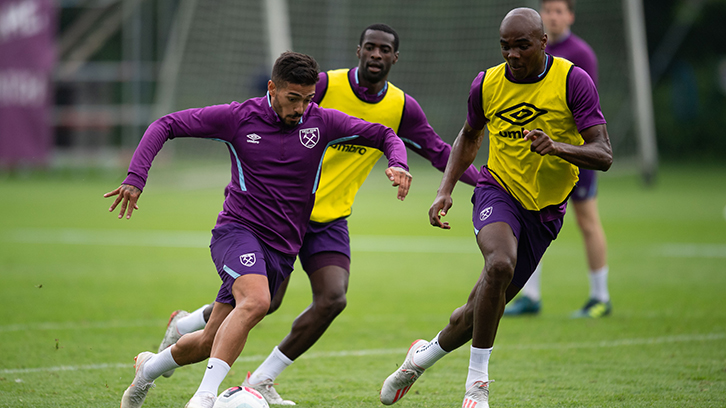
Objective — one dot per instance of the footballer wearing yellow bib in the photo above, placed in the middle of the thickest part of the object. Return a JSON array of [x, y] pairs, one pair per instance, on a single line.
[[346, 166], [543, 119]]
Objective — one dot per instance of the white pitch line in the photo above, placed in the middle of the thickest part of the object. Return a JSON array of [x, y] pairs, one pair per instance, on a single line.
[[685, 338], [80, 325], [147, 238], [692, 250], [443, 243], [64, 368], [200, 239]]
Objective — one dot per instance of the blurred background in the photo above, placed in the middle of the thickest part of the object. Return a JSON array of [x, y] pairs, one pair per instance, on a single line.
[[80, 80]]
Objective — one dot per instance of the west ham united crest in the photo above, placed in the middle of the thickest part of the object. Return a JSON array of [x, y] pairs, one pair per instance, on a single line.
[[248, 259], [309, 137], [485, 213]]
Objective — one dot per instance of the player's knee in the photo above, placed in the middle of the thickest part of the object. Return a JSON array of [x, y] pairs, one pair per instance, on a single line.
[[499, 271], [331, 305], [254, 308], [590, 228]]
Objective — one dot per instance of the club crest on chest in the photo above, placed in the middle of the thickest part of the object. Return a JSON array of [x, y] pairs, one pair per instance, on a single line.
[[309, 137]]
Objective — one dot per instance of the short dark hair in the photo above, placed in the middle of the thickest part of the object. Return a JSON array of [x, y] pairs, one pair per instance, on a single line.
[[295, 68], [570, 4], [381, 27]]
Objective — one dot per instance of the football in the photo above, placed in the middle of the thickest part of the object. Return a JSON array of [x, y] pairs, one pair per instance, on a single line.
[[240, 397]]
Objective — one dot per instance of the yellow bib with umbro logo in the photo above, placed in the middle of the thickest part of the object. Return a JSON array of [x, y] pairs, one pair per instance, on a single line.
[[346, 166], [535, 181]]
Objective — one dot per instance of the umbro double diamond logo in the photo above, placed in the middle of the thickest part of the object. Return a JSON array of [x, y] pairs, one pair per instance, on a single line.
[[520, 114]]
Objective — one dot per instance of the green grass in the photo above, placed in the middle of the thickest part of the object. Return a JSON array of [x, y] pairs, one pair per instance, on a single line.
[[82, 292]]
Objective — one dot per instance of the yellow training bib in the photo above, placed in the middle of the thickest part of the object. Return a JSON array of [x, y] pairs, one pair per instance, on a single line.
[[346, 166], [535, 181]]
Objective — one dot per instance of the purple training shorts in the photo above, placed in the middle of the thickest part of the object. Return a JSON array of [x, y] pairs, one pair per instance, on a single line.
[[236, 251], [325, 244], [586, 187], [494, 204]]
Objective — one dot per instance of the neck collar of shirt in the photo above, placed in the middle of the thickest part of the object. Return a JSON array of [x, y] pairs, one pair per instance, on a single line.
[[362, 91], [276, 116], [535, 78]]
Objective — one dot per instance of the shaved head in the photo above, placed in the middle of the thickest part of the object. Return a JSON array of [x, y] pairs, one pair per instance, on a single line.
[[525, 20], [523, 40]]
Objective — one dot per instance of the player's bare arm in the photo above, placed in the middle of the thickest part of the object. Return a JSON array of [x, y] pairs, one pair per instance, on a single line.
[[401, 178], [127, 195], [595, 154], [463, 153]]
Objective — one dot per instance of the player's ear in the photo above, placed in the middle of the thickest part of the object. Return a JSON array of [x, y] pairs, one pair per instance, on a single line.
[[357, 52], [395, 58], [271, 88]]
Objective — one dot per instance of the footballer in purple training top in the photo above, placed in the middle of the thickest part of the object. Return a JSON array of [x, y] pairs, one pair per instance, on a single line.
[[276, 145]]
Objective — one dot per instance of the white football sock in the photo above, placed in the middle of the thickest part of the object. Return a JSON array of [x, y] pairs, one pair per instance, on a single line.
[[159, 364], [599, 284], [214, 375], [532, 289], [192, 322], [427, 355], [275, 363], [478, 365]]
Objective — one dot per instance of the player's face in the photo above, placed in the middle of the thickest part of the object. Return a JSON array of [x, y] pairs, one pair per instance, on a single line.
[[523, 50], [289, 101], [376, 56], [557, 17]]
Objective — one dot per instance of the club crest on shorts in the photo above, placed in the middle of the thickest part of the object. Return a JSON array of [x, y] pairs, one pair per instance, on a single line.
[[248, 259], [485, 213], [309, 137]]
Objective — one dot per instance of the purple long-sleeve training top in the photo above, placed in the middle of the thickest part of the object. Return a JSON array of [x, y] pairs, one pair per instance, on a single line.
[[275, 169]]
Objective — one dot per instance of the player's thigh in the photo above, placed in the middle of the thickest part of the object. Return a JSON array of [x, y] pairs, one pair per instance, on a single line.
[[497, 220], [330, 281], [498, 243], [325, 245]]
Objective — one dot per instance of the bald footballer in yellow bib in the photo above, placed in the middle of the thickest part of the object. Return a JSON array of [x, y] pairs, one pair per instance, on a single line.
[[363, 92], [544, 120]]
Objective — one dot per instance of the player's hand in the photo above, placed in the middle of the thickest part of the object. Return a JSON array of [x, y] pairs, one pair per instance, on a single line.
[[128, 195], [400, 178], [542, 144], [438, 209]]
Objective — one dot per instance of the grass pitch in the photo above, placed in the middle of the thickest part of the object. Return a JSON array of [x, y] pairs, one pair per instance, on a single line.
[[83, 292]]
